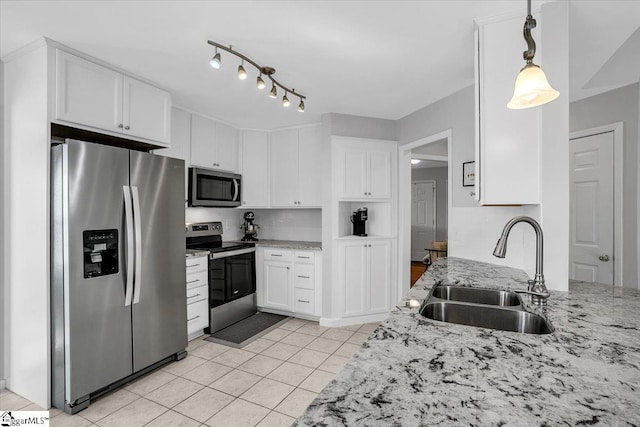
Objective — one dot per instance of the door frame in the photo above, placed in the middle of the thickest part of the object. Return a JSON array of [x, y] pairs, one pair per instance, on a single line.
[[618, 181], [404, 205], [434, 202]]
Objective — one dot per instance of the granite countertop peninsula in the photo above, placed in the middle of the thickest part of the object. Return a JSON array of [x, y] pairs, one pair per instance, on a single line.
[[414, 371], [290, 244]]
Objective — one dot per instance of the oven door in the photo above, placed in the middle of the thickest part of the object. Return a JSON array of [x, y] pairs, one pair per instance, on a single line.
[[213, 188], [231, 278]]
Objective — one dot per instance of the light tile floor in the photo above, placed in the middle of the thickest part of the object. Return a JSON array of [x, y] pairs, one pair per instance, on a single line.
[[269, 382]]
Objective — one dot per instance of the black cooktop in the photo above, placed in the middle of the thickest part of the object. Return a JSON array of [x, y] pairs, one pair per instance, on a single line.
[[208, 237]]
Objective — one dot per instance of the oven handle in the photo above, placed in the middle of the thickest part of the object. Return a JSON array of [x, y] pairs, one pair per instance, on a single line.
[[218, 255]]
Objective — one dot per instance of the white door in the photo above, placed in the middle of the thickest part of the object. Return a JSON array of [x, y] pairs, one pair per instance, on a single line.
[[591, 200], [310, 165], [353, 272], [354, 165], [423, 218], [226, 152], [255, 183], [379, 276], [379, 174], [277, 285], [203, 137]]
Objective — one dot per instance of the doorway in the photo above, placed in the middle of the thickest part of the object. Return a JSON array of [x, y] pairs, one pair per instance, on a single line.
[[595, 243], [422, 161]]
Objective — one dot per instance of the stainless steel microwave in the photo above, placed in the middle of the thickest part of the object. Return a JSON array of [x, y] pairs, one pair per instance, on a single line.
[[212, 188]]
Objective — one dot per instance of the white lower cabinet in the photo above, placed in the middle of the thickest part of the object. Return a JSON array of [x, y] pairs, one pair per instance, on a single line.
[[289, 280], [197, 296], [365, 276]]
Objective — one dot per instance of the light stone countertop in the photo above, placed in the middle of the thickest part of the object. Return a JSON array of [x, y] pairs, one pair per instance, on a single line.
[[414, 371], [290, 244]]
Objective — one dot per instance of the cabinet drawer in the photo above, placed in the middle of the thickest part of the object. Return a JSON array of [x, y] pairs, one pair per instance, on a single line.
[[277, 255], [304, 257], [303, 276], [303, 301], [197, 265], [197, 279], [194, 295], [197, 316]]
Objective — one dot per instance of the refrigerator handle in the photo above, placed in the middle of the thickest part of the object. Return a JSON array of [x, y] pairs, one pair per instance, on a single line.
[[235, 187], [138, 230], [128, 216]]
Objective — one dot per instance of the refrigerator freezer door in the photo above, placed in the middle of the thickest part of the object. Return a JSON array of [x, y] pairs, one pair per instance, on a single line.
[[160, 308], [97, 333]]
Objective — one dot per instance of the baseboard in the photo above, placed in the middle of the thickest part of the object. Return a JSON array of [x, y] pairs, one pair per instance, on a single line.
[[3, 384], [289, 313], [346, 321]]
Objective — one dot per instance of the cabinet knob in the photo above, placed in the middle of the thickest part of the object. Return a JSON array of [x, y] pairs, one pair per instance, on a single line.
[[120, 125], [604, 258], [127, 127], [288, 268]]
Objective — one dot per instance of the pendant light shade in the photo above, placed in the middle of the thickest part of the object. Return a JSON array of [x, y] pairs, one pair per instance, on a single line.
[[531, 89], [260, 82], [242, 73], [216, 62]]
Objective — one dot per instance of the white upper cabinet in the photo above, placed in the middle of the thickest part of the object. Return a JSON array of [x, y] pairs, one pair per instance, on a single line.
[[213, 145], [364, 169], [91, 95], [255, 173], [296, 167], [507, 141], [147, 111]]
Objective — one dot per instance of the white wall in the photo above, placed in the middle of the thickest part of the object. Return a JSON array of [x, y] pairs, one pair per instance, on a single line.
[[439, 175], [619, 105], [2, 178], [26, 207], [276, 224]]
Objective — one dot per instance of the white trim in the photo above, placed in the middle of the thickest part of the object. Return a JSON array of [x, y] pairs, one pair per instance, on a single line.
[[618, 180], [346, 321], [430, 157], [404, 200]]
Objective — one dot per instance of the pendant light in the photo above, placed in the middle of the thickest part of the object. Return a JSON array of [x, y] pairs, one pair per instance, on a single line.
[[215, 61], [285, 100], [242, 74], [260, 82], [531, 87]]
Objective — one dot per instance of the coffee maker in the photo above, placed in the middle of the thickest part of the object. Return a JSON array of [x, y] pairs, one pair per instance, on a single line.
[[249, 228], [359, 218]]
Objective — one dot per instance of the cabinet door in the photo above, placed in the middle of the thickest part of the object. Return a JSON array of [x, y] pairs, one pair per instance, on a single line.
[[354, 171], [226, 147], [509, 139], [255, 155], [379, 254], [146, 111], [277, 285], [379, 174], [87, 93], [353, 277], [310, 166], [284, 168], [203, 135]]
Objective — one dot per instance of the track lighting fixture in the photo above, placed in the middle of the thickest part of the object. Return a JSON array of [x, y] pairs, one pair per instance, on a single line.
[[531, 88], [215, 62], [242, 74]]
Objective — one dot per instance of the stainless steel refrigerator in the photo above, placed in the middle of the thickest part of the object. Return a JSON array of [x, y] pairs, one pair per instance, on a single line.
[[118, 298]]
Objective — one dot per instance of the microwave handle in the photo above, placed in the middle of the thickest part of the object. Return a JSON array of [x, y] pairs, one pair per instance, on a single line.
[[236, 188]]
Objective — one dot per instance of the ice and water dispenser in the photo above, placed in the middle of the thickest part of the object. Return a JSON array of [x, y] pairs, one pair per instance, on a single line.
[[100, 251]]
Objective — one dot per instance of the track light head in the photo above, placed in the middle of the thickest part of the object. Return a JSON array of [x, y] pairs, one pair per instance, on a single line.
[[301, 106], [260, 82], [273, 93], [215, 62], [242, 74], [285, 100]]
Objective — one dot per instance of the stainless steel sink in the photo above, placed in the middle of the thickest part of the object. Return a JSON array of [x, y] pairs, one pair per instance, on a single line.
[[477, 295], [484, 308]]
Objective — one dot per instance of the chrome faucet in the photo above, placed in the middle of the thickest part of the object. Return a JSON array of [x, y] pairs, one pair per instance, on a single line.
[[537, 289]]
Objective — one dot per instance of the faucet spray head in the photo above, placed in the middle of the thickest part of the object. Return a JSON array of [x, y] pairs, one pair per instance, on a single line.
[[501, 247]]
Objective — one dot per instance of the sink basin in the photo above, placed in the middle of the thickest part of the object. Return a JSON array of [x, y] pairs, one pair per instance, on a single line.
[[476, 295], [487, 316]]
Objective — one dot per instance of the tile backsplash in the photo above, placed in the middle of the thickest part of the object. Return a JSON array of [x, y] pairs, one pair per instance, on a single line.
[[278, 224]]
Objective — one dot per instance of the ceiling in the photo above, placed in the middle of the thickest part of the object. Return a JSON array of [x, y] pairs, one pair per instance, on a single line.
[[381, 59]]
